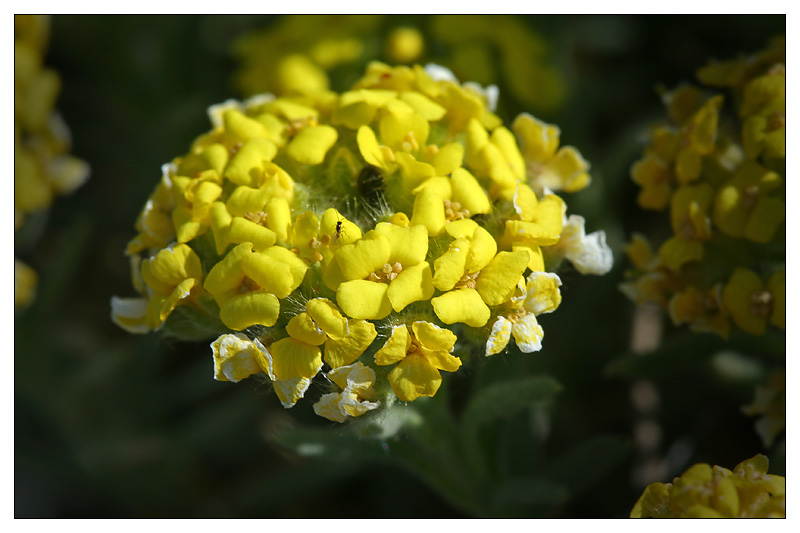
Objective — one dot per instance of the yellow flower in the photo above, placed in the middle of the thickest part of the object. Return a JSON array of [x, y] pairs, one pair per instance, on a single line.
[[321, 323], [548, 166], [25, 280], [751, 303], [356, 382], [419, 356], [690, 222], [154, 222], [744, 208], [473, 276], [536, 223], [236, 357], [247, 284], [316, 240], [173, 277], [440, 200], [540, 295], [405, 45], [385, 270], [770, 403], [130, 314], [702, 310], [715, 492]]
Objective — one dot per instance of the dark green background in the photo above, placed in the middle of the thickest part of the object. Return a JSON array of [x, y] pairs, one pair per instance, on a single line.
[[109, 424]]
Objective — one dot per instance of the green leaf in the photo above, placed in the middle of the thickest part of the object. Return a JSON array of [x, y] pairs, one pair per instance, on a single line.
[[585, 465], [191, 324], [529, 492], [498, 401]]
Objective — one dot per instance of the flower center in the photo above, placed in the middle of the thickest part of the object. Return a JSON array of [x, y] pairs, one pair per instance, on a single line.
[[750, 198], [516, 315], [386, 274], [259, 218], [295, 125], [248, 285], [410, 144], [453, 211], [467, 281], [761, 303], [776, 121]]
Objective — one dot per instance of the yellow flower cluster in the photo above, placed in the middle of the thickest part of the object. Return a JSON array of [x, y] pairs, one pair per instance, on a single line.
[[723, 182], [356, 234], [311, 51], [43, 167], [704, 491]]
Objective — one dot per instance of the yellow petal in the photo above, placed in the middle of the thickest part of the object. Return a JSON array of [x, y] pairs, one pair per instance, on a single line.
[[413, 284], [504, 140], [327, 317], [234, 357], [247, 166], [675, 252], [339, 228], [462, 228], [538, 140], [570, 169], [242, 127], [303, 328], [128, 313], [414, 377], [371, 150], [433, 337], [404, 131], [429, 211], [498, 279], [535, 256], [409, 246], [363, 257], [450, 267], [220, 221], [462, 305], [448, 158], [311, 144], [395, 348], [249, 309], [328, 407], [499, 336], [290, 391], [344, 350], [543, 293], [528, 333], [364, 299], [179, 293], [737, 296], [424, 106], [243, 230], [272, 274], [469, 193], [225, 278], [777, 288], [481, 251], [173, 265], [293, 359]]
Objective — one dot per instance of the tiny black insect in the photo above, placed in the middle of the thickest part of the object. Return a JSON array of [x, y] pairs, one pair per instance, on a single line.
[[338, 231]]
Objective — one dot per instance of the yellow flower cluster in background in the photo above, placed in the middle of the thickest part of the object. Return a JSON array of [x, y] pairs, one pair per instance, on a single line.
[[43, 167], [301, 53], [360, 236], [718, 168], [704, 491]]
